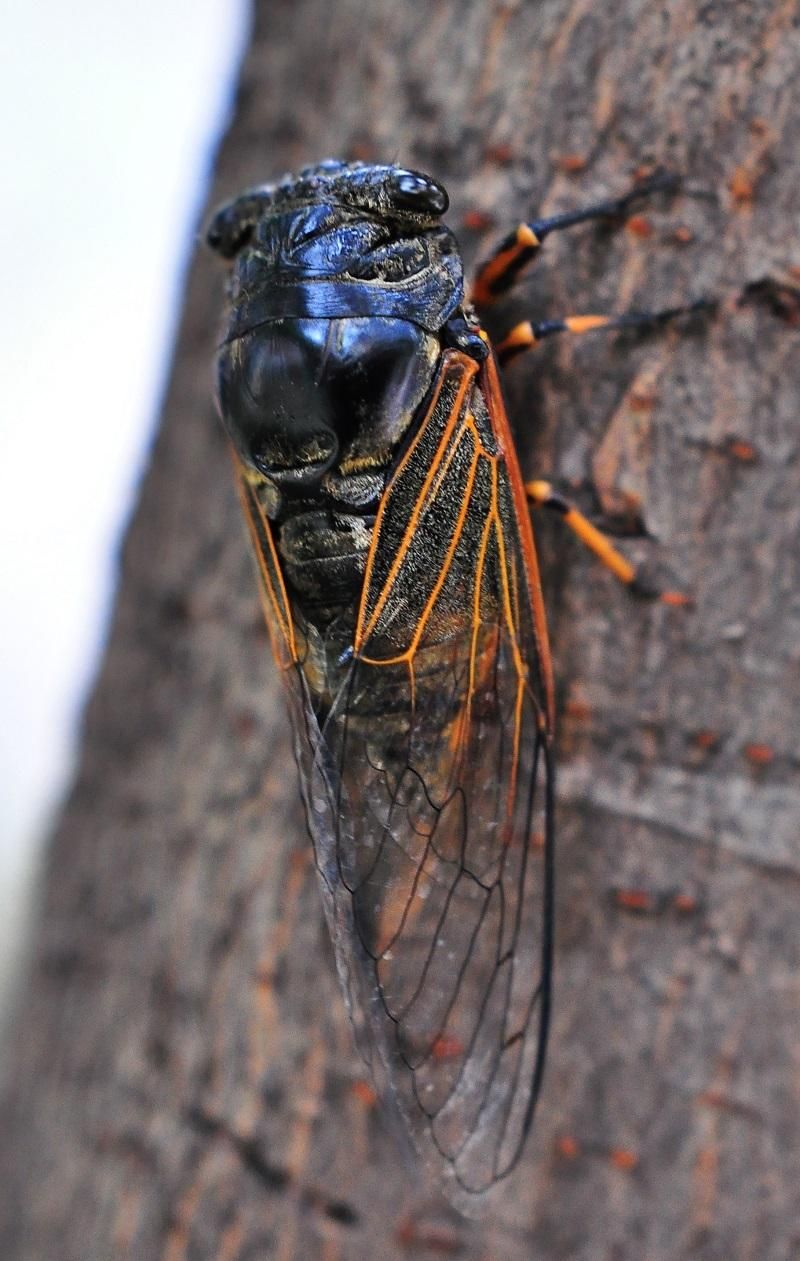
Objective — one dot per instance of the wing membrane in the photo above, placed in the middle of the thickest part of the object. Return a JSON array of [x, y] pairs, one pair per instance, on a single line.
[[428, 788]]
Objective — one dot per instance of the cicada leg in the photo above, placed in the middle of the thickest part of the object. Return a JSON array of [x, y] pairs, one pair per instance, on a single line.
[[542, 495], [516, 251], [526, 335]]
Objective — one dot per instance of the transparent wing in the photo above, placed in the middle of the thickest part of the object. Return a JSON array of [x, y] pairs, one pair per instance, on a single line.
[[428, 788]]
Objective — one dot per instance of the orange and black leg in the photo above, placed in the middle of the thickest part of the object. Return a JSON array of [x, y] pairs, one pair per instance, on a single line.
[[542, 495], [496, 276], [526, 335]]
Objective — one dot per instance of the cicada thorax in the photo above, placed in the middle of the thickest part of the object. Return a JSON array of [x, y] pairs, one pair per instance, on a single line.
[[342, 283]]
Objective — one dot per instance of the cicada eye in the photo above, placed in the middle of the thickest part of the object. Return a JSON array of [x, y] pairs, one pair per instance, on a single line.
[[419, 193]]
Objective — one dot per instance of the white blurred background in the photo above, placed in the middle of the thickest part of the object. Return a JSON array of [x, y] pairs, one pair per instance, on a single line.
[[111, 117]]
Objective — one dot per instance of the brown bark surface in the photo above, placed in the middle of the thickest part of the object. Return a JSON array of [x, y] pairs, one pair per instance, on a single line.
[[182, 1084]]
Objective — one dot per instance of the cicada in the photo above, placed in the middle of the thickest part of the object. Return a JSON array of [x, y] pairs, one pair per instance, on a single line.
[[391, 526]]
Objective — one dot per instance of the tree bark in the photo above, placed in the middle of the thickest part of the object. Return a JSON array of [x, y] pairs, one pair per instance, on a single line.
[[181, 1079]]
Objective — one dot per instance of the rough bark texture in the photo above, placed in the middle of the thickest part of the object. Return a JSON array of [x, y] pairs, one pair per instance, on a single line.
[[182, 1079]]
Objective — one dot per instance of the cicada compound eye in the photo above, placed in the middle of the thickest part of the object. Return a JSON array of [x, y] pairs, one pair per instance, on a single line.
[[419, 193]]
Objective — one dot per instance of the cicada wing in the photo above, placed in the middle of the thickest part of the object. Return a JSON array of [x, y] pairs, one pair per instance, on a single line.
[[428, 789], [431, 798]]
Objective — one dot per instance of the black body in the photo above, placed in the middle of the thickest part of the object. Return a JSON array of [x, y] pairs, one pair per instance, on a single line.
[[389, 522]]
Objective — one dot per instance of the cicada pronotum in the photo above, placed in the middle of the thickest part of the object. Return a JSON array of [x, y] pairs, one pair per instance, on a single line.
[[391, 525]]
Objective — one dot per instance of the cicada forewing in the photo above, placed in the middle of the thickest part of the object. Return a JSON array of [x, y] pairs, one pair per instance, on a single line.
[[428, 786]]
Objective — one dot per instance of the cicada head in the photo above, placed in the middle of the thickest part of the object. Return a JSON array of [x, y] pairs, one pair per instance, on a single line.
[[342, 278]]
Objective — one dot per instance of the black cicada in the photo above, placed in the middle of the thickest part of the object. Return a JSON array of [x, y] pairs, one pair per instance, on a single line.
[[391, 526]]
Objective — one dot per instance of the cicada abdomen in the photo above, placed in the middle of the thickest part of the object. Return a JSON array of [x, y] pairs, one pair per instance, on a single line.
[[389, 521]]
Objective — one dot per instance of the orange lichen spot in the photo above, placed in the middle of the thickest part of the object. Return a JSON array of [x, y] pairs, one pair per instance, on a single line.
[[741, 185], [676, 599], [477, 220], [642, 400], [639, 225], [759, 754], [432, 1237], [447, 1048], [623, 1158], [578, 710], [500, 153], [685, 903], [682, 235], [706, 739], [741, 450], [570, 163], [567, 1147], [634, 900], [365, 1093]]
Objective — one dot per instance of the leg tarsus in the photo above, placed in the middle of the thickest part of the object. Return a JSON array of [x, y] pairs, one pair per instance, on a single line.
[[543, 495], [526, 335], [494, 277]]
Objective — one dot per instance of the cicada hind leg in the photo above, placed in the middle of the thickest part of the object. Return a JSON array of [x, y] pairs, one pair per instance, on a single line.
[[499, 274]]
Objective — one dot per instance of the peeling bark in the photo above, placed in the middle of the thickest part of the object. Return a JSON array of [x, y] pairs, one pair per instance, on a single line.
[[183, 1084]]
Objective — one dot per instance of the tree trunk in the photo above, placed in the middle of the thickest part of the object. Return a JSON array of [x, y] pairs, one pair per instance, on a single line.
[[183, 1084]]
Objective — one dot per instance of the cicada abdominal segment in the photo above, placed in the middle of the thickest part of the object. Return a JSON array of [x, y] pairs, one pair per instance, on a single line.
[[391, 526]]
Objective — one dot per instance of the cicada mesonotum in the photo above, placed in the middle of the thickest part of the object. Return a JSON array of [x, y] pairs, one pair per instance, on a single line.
[[391, 526]]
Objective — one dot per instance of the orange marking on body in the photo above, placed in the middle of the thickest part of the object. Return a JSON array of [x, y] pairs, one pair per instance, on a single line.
[[706, 739], [278, 599], [599, 544], [430, 604], [521, 337], [519, 664], [759, 754], [586, 323], [525, 241], [682, 235], [449, 554], [470, 368], [624, 1159], [502, 431]]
